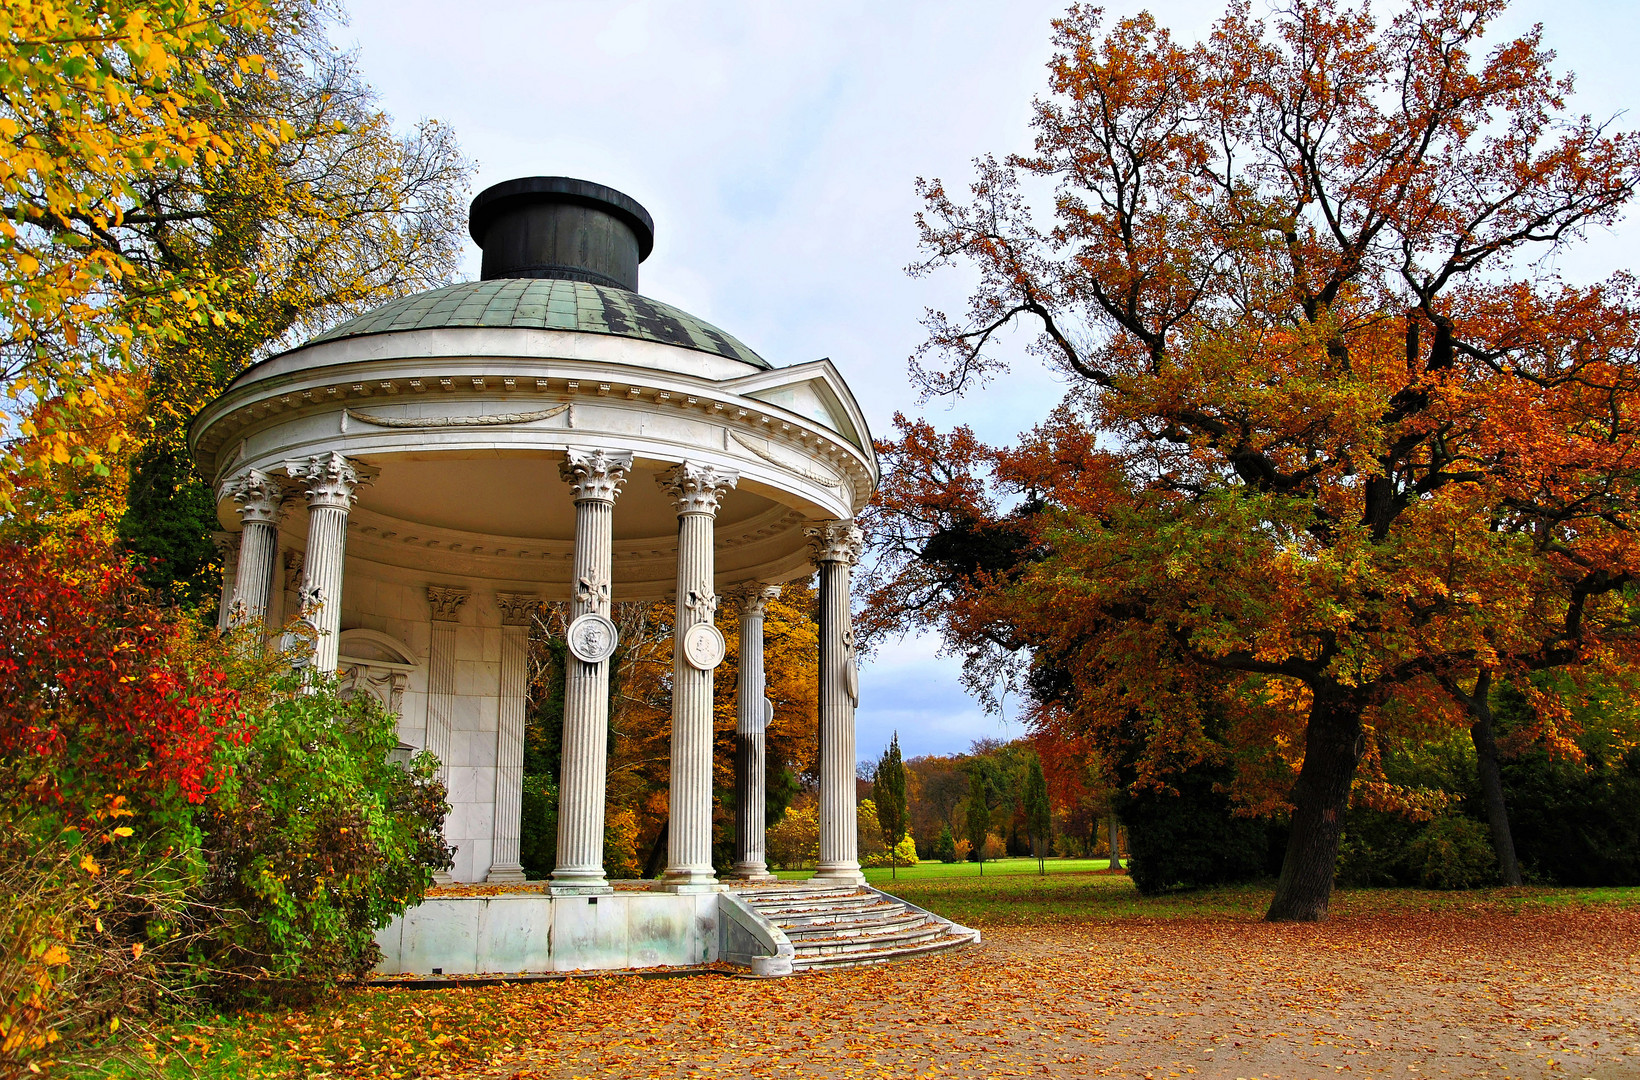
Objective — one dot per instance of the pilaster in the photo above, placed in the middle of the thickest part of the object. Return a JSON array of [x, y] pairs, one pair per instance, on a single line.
[[517, 610]]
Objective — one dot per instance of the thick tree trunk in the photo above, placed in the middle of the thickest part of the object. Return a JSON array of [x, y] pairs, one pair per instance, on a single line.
[[1115, 844], [1486, 762], [1332, 750]]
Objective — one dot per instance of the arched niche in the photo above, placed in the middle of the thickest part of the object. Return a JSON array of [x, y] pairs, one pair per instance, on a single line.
[[374, 663]]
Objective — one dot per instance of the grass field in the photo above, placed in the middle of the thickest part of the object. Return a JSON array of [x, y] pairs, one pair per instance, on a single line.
[[1013, 893]]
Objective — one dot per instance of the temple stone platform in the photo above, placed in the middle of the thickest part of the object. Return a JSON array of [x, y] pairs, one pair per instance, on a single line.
[[767, 928]]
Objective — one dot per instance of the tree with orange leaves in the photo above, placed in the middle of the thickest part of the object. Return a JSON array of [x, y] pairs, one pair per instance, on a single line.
[[1337, 438]]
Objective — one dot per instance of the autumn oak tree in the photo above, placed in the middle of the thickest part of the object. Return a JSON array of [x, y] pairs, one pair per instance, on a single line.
[[1338, 437]]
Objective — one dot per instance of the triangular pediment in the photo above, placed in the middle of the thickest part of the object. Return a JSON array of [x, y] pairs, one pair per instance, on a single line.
[[814, 391]]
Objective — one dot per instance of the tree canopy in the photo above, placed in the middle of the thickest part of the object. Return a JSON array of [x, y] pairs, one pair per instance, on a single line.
[[1339, 439]]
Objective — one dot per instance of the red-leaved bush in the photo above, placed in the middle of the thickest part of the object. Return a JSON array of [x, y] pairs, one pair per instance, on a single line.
[[101, 692]]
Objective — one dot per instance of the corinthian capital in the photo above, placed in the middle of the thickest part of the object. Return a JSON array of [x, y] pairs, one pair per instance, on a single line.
[[257, 494], [835, 541], [329, 479], [751, 597], [517, 609], [446, 602], [697, 489], [595, 474]]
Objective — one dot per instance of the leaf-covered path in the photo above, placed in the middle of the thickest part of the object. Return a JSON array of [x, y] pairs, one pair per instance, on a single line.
[[1524, 995]]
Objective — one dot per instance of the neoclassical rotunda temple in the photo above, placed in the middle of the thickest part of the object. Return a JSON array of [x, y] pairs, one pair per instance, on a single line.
[[414, 483]]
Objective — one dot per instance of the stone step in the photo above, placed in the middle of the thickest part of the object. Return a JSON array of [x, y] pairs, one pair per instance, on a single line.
[[833, 926], [775, 910], [780, 896], [867, 942], [805, 962]]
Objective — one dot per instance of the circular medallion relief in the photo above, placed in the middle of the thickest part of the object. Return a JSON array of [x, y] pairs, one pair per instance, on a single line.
[[703, 646], [768, 712], [592, 638], [298, 644], [851, 680]]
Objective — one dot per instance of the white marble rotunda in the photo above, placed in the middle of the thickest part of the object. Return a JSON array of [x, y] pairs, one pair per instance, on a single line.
[[415, 482]]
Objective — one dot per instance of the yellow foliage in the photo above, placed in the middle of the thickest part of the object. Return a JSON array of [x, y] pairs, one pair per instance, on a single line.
[[94, 95]]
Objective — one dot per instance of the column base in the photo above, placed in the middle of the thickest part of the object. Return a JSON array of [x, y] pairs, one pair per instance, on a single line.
[[442, 877], [751, 872], [838, 875], [504, 874], [689, 881], [579, 884]]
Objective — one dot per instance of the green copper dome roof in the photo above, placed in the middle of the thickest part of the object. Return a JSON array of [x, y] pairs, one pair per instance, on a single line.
[[546, 304]]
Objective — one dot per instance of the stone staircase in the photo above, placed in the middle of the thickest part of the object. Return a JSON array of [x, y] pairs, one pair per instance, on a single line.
[[846, 926]]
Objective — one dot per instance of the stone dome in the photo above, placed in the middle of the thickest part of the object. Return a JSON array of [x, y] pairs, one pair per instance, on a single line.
[[546, 304]]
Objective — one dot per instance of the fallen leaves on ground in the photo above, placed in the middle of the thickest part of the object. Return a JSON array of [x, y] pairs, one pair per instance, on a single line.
[[1476, 991], [1409, 995]]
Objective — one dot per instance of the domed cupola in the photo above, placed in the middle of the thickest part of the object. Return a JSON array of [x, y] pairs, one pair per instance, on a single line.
[[405, 491], [560, 228]]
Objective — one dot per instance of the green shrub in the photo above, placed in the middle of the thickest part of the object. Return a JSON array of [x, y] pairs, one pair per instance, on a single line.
[[317, 842], [1191, 839], [538, 823], [1454, 853], [1376, 849], [905, 854], [1576, 824], [945, 848]]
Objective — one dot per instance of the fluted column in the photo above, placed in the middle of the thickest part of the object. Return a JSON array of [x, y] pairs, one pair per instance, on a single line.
[[751, 722], [441, 682], [441, 672], [836, 546], [227, 546], [257, 496], [506, 834], [595, 478], [697, 649], [330, 482]]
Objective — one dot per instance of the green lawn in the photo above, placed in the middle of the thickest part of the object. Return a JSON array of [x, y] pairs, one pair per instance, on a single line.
[[933, 869], [1081, 890]]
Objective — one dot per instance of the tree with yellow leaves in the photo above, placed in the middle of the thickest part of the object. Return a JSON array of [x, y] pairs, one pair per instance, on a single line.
[[95, 97], [188, 188]]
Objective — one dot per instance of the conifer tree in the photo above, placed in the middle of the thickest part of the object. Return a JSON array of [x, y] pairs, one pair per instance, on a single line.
[[888, 792], [1038, 816]]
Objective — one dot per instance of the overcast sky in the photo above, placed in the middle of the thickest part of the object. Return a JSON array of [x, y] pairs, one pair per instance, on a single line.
[[776, 145]]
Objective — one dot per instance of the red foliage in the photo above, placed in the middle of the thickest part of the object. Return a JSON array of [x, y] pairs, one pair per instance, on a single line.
[[98, 691]]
